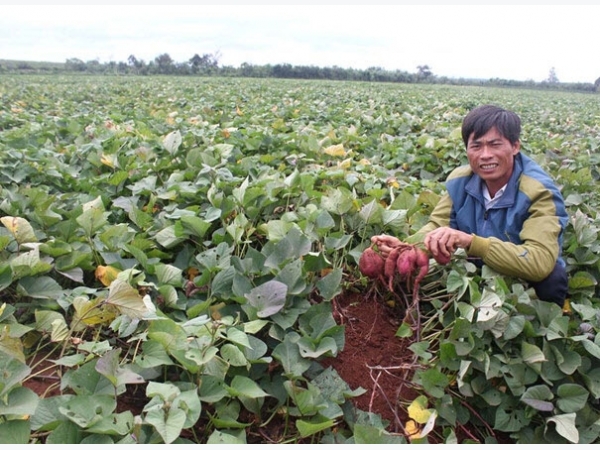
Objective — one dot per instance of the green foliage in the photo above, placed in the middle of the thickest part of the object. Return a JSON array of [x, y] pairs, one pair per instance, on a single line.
[[188, 237]]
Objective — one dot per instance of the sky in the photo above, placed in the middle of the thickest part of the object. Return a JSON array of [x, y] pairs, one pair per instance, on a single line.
[[516, 42]]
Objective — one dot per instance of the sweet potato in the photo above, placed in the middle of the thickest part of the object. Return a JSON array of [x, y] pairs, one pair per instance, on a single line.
[[371, 264], [441, 259], [422, 263], [390, 266], [405, 264]]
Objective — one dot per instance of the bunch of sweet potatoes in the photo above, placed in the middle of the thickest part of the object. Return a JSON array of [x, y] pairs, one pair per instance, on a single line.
[[408, 261]]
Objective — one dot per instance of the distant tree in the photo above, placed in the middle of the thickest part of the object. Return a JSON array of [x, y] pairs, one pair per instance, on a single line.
[[552, 78], [164, 63], [135, 64], [597, 84], [75, 64], [94, 66], [205, 63], [424, 71]]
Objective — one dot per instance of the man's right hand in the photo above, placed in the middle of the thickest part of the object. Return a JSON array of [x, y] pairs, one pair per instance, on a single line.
[[385, 243]]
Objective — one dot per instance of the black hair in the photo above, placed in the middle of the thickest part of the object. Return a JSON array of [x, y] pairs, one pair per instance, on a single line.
[[482, 119]]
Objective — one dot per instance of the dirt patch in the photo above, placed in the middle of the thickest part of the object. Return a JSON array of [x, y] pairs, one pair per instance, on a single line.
[[374, 358]]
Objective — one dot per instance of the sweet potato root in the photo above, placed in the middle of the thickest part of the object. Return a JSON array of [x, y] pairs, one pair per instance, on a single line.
[[422, 263], [390, 266], [371, 264]]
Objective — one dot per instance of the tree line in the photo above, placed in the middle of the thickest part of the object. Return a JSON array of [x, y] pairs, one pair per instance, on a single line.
[[208, 65]]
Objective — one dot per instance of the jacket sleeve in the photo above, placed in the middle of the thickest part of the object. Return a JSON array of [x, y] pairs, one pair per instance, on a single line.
[[535, 258]]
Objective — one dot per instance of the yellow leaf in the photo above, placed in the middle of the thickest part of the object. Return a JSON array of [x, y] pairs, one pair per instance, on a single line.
[[108, 160], [412, 429], [11, 345], [225, 133], [365, 162], [345, 164], [215, 311], [238, 111], [418, 410], [192, 273], [91, 312], [127, 299], [567, 307], [20, 228], [335, 150], [106, 274]]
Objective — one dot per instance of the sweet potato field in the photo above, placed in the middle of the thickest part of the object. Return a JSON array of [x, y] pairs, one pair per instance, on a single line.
[[177, 254]]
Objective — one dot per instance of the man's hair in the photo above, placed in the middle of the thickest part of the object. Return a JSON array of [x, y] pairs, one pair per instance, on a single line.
[[482, 119]]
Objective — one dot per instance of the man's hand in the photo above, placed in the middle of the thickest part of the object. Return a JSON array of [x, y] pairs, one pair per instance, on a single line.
[[444, 241], [385, 243]]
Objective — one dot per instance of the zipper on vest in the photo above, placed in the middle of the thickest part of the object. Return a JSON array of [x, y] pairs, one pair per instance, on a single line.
[[485, 215]]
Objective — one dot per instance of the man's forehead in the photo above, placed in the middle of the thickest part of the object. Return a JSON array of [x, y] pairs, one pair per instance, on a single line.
[[489, 136]]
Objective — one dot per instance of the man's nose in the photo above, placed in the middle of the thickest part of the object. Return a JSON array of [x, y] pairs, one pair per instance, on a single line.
[[486, 151]]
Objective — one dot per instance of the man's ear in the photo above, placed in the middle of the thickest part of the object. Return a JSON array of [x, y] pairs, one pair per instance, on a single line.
[[516, 147]]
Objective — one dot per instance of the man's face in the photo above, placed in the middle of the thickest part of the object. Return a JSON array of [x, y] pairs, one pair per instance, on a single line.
[[492, 158]]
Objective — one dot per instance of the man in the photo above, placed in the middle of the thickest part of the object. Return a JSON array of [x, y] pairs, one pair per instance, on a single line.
[[502, 208]]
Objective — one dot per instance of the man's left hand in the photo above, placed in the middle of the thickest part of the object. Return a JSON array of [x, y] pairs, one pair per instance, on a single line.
[[445, 240]]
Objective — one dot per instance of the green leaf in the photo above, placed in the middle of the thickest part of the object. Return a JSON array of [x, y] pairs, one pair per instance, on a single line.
[[338, 201], [289, 355], [509, 419], [195, 226], [227, 437], [109, 366], [582, 280], [86, 410], [592, 381], [571, 397], [13, 372], [40, 287], [168, 238], [316, 425], [330, 285], [268, 298], [20, 401], [114, 424], [515, 326], [592, 348], [172, 141], [531, 354], [211, 389], [538, 398], [372, 212], [93, 217], [14, 432], [293, 246], [434, 382], [565, 426], [233, 355], [65, 433], [167, 423], [366, 434], [245, 387], [168, 274]]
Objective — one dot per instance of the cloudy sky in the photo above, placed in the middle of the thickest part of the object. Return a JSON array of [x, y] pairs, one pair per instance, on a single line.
[[511, 41]]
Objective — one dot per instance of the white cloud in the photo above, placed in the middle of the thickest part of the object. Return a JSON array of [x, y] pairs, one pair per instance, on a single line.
[[514, 42]]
